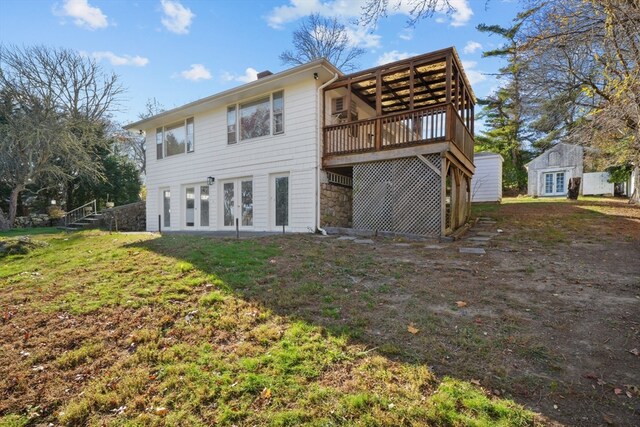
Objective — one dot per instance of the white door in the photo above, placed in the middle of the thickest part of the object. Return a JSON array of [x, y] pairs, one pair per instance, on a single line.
[[237, 203], [196, 204], [555, 184]]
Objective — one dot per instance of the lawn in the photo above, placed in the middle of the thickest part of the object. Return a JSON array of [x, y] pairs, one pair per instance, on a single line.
[[138, 329]]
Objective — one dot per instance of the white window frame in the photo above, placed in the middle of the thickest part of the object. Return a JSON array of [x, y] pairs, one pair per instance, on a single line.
[[237, 110], [163, 130], [554, 175]]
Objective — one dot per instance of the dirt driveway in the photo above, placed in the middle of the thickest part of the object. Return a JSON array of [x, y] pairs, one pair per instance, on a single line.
[[549, 316]]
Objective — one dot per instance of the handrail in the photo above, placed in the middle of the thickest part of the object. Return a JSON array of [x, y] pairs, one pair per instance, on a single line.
[[80, 212]]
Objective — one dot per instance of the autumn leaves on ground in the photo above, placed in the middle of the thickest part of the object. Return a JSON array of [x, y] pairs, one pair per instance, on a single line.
[[138, 329]]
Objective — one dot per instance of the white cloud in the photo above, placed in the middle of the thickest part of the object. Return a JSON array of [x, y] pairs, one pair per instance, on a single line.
[[393, 56], [250, 74], [84, 15], [359, 36], [196, 72], [473, 75], [177, 18], [462, 13], [471, 47], [136, 61], [406, 34]]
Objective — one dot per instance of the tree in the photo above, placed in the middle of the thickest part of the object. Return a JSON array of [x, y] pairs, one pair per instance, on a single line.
[[321, 37], [373, 10], [503, 110], [134, 144], [54, 104], [590, 50]]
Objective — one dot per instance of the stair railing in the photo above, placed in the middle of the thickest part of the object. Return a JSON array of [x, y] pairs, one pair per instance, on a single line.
[[80, 213]]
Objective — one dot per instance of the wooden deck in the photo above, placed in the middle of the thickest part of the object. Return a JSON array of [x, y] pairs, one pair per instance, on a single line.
[[418, 105]]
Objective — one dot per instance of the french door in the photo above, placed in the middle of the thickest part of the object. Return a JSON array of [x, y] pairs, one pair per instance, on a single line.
[[237, 203], [555, 183], [196, 205]]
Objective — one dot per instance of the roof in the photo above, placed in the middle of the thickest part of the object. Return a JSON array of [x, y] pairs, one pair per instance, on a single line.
[[424, 75], [254, 88], [487, 154]]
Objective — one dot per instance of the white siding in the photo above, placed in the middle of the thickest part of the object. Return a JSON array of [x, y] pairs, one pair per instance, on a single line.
[[562, 157], [486, 184], [293, 152], [596, 183]]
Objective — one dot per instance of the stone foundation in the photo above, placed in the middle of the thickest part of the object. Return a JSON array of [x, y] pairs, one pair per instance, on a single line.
[[336, 205], [131, 217]]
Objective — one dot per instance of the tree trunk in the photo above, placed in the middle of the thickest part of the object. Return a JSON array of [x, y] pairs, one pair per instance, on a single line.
[[13, 204], [574, 188], [635, 176]]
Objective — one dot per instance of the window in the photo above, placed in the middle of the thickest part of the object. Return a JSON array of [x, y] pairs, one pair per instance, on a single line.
[[159, 145], [262, 117], [282, 200], [278, 112], [231, 124], [554, 183], [176, 138], [166, 204], [254, 119]]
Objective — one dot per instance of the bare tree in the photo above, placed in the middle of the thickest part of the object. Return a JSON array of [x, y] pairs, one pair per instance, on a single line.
[[373, 10], [54, 104], [321, 37], [590, 51], [134, 144]]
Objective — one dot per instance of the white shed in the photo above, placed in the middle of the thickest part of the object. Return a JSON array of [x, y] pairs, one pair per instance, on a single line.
[[486, 184]]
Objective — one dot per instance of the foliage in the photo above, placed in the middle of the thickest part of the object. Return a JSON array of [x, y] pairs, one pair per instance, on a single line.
[[619, 173], [53, 108], [503, 111], [121, 183], [321, 37], [373, 10]]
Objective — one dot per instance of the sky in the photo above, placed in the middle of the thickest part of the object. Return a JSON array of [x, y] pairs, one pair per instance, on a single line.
[[177, 51]]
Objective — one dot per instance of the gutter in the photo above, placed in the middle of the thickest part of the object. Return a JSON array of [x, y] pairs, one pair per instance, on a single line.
[[320, 120]]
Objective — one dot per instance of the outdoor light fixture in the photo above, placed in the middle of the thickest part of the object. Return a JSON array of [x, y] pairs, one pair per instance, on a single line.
[[210, 180], [315, 76], [53, 202]]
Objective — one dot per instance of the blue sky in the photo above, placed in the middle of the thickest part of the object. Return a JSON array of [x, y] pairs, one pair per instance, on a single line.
[[177, 51]]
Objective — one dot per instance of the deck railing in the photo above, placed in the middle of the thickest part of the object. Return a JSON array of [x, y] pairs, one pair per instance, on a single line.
[[422, 126]]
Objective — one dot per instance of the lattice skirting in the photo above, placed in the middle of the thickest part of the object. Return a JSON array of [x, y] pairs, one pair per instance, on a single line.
[[401, 196]]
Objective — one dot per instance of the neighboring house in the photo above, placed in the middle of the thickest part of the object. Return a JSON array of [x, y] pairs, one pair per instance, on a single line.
[[550, 172], [386, 149], [486, 185]]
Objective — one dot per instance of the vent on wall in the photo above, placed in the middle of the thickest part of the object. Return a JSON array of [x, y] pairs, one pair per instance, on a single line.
[[339, 109]]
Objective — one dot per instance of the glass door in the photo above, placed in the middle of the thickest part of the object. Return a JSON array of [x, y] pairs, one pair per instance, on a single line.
[[237, 203], [196, 214], [280, 188]]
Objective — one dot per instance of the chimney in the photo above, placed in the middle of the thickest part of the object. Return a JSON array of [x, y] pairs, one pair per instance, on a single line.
[[264, 73]]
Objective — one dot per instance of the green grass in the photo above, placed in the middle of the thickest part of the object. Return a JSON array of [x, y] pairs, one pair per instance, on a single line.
[[174, 339]]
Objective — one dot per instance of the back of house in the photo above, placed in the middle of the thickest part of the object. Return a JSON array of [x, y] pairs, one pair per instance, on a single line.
[[388, 149]]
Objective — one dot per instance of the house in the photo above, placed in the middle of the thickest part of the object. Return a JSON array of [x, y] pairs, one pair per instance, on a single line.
[[385, 149], [550, 172], [486, 185]]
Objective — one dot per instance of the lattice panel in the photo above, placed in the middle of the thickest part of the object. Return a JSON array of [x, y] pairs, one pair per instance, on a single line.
[[400, 195], [373, 196]]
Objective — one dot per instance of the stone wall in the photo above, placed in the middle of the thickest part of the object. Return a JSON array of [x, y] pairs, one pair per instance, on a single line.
[[34, 220], [336, 208], [131, 217]]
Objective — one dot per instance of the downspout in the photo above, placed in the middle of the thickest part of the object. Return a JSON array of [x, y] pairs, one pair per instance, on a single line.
[[320, 120]]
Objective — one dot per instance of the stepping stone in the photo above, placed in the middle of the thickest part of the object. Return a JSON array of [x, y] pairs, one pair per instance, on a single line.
[[486, 234], [479, 239], [478, 251], [346, 238], [433, 247], [402, 245], [364, 241]]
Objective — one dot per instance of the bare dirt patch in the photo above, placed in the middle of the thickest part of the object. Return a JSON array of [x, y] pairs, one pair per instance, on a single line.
[[549, 316]]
